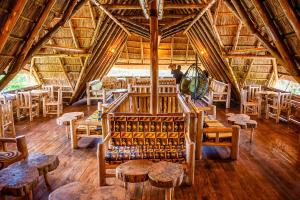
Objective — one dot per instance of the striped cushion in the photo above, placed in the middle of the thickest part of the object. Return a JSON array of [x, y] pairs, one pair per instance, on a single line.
[[8, 157]]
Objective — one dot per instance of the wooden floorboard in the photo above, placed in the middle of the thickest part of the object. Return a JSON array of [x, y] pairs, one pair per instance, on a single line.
[[267, 169]]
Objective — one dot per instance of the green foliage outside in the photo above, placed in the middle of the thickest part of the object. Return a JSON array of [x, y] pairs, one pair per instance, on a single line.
[[288, 86], [22, 79]]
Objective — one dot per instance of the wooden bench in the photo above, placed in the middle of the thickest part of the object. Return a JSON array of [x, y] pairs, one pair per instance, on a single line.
[[218, 92], [134, 136]]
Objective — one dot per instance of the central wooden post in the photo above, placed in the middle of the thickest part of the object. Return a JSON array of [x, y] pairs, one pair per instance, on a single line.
[[154, 57]]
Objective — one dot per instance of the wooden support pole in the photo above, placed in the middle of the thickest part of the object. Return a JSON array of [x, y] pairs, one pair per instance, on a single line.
[[154, 57], [172, 43], [291, 16], [200, 14], [110, 15], [11, 21], [289, 63], [142, 50]]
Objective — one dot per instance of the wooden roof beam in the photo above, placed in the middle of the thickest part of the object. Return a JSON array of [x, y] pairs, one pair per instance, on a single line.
[[67, 49], [144, 7], [167, 6], [11, 21], [289, 63], [291, 16], [200, 14], [79, 55], [177, 22], [101, 7], [248, 56], [20, 60], [259, 49]]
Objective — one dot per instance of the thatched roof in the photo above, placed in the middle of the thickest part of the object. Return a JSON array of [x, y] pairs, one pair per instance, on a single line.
[[71, 42]]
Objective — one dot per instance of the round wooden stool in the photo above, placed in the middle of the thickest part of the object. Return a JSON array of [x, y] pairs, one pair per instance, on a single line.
[[243, 121], [134, 171], [79, 191], [19, 181], [166, 175], [44, 163]]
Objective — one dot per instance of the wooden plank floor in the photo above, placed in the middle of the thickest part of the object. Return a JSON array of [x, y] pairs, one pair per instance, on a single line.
[[267, 169]]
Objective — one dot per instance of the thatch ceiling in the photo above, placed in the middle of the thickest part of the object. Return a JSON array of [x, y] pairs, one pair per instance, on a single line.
[[70, 42]]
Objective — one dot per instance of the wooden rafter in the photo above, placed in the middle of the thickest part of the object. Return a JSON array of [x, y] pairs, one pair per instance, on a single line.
[[291, 16], [177, 22], [101, 7], [200, 14], [187, 50], [11, 21], [20, 60], [172, 46], [247, 73], [67, 49], [61, 55], [142, 50], [92, 15], [248, 56], [35, 72], [248, 50], [160, 9], [144, 7], [236, 39], [167, 6], [289, 63]]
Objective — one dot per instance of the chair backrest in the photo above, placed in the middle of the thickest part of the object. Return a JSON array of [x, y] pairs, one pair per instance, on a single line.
[[3, 99], [59, 96], [24, 99], [252, 91], [6, 114], [243, 96], [284, 100], [218, 86], [50, 89]]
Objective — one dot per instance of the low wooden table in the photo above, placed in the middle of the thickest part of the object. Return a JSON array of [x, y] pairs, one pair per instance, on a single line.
[[166, 175], [19, 181], [44, 163], [79, 191], [243, 121], [66, 120], [134, 171]]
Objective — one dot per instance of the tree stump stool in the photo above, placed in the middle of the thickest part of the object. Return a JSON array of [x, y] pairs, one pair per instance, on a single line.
[[134, 171], [243, 121], [44, 163], [166, 175], [79, 191], [19, 181], [67, 118]]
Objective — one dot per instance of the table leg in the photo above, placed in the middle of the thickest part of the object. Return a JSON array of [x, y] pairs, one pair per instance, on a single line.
[[29, 194], [47, 181], [168, 193], [251, 136], [68, 131]]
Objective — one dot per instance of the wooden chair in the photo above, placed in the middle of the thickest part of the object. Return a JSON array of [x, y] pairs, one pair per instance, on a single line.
[[54, 106], [280, 103], [252, 92], [50, 88], [7, 119], [26, 104], [218, 92], [3, 99], [8, 157], [249, 107]]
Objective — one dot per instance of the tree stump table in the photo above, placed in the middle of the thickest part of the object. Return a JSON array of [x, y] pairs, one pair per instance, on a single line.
[[134, 171], [66, 120], [19, 181], [44, 163], [79, 191], [166, 175], [243, 121]]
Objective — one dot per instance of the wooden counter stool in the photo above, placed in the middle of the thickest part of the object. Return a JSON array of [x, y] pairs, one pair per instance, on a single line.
[[19, 181], [44, 163], [67, 118], [79, 191], [166, 175], [134, 171], [243, 121]]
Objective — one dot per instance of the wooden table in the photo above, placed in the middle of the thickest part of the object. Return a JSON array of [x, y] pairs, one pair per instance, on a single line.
[[79, 191], [19, 181], [39, 92], [66, 120], [134, 171], [243, 121], [44, 163], [166, 175]]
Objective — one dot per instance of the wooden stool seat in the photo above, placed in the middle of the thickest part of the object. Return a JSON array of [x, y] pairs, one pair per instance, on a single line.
[[65, 120], [19, 180], [44, 163], [134, 171], [166, 175], [79, 191], [243, 121]]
